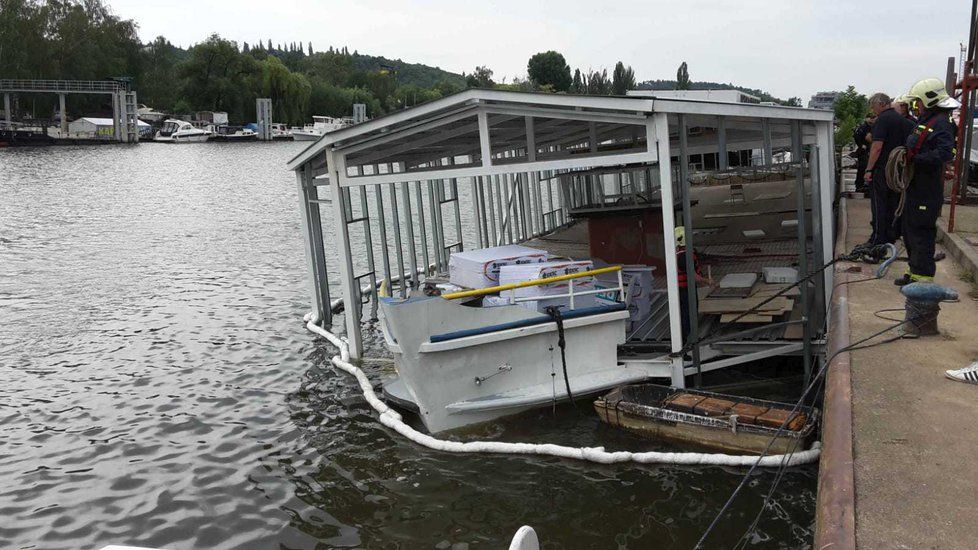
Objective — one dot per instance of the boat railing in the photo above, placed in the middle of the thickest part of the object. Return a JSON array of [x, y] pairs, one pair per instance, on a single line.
[[570, 295]]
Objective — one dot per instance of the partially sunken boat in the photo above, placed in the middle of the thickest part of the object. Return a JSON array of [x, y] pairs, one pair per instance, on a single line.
[[722, 422], [598, 180]]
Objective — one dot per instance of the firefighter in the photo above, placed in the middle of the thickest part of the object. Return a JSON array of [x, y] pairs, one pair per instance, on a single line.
[[929, 147], [902, 105], [680, 233]]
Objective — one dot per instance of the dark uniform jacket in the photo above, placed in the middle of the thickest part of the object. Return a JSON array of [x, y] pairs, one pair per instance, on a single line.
[[937, 146]]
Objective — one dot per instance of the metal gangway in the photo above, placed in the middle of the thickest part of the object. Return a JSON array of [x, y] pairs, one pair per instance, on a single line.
[[124, 105]]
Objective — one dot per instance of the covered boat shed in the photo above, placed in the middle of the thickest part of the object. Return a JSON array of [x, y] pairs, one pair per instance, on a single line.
[[486, 167]]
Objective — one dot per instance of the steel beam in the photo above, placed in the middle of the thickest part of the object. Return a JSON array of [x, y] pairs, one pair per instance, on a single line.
[[351, 291], [657, 136]]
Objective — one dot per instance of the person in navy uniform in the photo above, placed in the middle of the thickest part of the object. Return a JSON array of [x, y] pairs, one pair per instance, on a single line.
[[889, 132], [862, 138], [929, 147]]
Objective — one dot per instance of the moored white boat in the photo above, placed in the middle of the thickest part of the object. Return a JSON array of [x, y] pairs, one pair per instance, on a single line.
[[227, 132], [181, 131], [321, 125]]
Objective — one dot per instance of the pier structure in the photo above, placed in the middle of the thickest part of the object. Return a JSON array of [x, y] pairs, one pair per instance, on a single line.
[[897, 434], [263, 109], [482, 168], [124, 107]]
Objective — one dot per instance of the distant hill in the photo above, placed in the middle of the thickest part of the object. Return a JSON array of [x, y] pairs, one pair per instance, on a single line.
[[671, 85], [418, 74]]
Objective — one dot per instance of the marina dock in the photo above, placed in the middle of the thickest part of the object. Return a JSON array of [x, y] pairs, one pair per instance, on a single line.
[[896, 474]]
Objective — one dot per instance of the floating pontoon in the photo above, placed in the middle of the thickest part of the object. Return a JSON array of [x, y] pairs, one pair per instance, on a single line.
[[584, 177]]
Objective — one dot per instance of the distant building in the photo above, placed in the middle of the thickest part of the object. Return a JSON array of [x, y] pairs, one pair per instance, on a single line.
[[723, 96], [824, 100], [100, 128], [211, 117]]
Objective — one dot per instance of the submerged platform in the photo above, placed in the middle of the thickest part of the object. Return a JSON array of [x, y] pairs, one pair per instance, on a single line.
[[905, 480]]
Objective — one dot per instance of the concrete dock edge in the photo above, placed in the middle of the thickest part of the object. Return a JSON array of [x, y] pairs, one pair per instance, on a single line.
[[835, 515], [963, 253]]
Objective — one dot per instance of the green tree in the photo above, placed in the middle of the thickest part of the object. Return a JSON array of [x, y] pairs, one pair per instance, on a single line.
[[850, 108], [157, 86], [549, 68], [622, 79], [682, 77], [216, 77], [597, 83], [577, 85], [480, 78]]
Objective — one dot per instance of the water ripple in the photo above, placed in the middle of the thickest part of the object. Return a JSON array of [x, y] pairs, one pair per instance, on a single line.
[[158, 387]]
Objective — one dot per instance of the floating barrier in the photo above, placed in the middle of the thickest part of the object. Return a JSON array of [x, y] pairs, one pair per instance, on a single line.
[[392, 419]]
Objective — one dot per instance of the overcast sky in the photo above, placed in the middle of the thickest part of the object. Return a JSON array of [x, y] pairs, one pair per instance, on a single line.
[[787, 47]]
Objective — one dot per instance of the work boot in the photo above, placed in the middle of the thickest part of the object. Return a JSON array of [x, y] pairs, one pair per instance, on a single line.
[[903, 280]]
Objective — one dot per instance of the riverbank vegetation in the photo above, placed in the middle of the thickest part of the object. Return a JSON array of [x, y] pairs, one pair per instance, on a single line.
[[84, 40]]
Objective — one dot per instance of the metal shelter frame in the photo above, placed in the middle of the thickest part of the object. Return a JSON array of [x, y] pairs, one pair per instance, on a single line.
[[511, 147], [125, 122]]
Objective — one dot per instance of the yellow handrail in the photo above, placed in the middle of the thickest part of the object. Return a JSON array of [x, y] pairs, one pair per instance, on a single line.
[[511, 286]]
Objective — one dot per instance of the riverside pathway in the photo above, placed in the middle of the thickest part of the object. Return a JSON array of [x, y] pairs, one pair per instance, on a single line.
[[914, 432]]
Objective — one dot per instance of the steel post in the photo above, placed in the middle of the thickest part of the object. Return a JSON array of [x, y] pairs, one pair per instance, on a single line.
[[657, 139], [382, 226], [690, 267], [723, 160], [766, 137], [351, 292], [797, 158], [63, 116]]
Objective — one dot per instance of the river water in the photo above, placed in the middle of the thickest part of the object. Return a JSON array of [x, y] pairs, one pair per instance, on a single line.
[[157, 388]]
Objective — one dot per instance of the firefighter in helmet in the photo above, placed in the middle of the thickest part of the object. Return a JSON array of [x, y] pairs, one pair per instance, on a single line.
[[929, 147]]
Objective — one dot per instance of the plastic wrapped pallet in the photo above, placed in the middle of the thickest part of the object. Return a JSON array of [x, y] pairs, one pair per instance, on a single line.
[[518, 273], [639, 286], [480, 268]]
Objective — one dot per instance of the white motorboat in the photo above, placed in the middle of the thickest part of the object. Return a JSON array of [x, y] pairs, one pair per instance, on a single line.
[[281, 131], [149, 114], [320, 126], [181, 131], [227, 132], [461, 365]]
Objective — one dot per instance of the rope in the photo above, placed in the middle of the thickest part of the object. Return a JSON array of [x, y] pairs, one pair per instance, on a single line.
[[392, 419], [899, 172]]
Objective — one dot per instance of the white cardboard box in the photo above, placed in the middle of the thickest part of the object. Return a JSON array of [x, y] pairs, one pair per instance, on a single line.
[[780, 275], [480, 268], [509, 274]]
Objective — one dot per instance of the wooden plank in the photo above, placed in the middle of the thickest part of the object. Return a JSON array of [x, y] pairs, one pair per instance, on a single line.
[[770, 289], [797, 330], [752, 318], [740, 305]]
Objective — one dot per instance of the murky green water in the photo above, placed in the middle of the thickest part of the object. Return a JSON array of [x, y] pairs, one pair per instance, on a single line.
[[157, 388]]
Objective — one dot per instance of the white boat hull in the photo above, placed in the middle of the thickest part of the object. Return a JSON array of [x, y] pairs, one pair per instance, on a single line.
[[192, 138], [475, 378], [299, 135]]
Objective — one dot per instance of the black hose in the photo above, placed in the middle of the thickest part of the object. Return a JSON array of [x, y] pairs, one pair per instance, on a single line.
[[554, 312]]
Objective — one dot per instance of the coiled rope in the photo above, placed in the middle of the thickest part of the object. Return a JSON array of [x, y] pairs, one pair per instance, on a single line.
[[392, 419], [899, 172]]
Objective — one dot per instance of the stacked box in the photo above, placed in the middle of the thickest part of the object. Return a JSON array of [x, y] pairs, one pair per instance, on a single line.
[[480, 268], [518, 273]]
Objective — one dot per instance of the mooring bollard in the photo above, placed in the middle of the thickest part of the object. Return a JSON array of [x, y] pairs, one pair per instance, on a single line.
[[923, 306]]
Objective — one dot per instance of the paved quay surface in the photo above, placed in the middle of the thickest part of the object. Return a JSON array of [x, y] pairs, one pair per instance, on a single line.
[[915, 433]]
